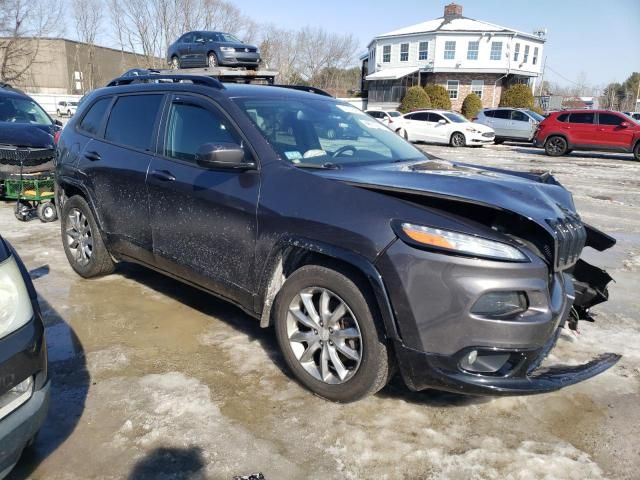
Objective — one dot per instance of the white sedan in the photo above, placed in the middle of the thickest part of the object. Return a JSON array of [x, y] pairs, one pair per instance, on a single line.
[[442, 126]]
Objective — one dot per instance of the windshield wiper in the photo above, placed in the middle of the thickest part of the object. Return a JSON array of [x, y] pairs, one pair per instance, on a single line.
[[324, 166]]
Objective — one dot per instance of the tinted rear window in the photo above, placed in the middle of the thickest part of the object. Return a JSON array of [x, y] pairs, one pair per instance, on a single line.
[[132, 119], [93, 118], [586, 117], [609, 119], [504, 114], [563, 118]]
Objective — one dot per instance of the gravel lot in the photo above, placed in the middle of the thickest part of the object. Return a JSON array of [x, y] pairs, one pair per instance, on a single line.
[[154, 379]]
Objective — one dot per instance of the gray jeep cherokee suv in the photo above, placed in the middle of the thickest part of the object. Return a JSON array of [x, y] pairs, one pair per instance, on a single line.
[[363, 253]]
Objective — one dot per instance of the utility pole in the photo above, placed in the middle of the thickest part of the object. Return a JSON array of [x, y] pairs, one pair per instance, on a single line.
[[544, 67]]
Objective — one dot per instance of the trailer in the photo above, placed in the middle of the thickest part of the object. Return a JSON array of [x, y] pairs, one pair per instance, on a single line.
[[224, 74]]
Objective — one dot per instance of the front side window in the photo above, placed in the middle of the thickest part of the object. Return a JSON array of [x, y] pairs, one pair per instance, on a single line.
[[404, 52], [322, 133], [534, 60], [516, 52], [477, 86], [455, 117], [449, 50], [132, 119], [582, 117], [386, 53], [518, 116], [423, 51], [190, 126], [22, 110], [496, 51], [526, 54], [609, 119], [92, 121], [472, 50], [452, 88]]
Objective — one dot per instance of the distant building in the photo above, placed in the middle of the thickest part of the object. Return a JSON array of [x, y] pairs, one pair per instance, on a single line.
[[461, 54], [67, 67]]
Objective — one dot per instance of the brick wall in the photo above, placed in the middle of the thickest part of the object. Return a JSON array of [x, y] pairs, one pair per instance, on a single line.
[[464, 87]]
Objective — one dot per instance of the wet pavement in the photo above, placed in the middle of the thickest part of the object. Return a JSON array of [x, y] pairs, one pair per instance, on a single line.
[[155, 379]]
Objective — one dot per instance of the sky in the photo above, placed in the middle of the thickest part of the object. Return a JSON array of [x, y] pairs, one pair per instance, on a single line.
[[593, 39]]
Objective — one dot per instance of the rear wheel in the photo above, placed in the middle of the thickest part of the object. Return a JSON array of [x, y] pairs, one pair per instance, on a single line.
[[458, 140], [330, 336], [175, 63], [47, 212], [212, 60], [82, 240], [22, 210], [68, 113], [636, 152], [498, 141], [556, 146]]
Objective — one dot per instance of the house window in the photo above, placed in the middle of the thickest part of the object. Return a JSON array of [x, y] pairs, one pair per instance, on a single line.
[[516, 54], [449, 50], [476, 87], [534, 60], [423, 51], [526, 54], [496, 51], [452, 88], [472, 50], [404, 52], [386, 54]]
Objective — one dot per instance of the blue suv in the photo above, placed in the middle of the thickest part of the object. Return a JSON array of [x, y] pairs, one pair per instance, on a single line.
[[211, 49]]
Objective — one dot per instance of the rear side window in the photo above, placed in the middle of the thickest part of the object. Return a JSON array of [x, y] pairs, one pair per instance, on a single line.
[[423, 116], [586, 117], [132, 119], [563, 118], [504, 114], [93, 118], [609, 119], [190, 126]]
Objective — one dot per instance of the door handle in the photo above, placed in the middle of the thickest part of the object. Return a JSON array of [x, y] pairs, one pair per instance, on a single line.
[[92, 156], [163, 175]]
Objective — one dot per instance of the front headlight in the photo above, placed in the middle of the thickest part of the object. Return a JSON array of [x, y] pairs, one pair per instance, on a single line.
[[460, 243], [15, 304], [227, 49], [473, 130]]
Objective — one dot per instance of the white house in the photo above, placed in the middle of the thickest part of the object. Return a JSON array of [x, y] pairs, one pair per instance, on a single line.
[[459, 53]]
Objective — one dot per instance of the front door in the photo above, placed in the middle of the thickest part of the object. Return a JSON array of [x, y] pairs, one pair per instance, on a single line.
[[521, 126], [610, 132], [501, 121], [203, 221]]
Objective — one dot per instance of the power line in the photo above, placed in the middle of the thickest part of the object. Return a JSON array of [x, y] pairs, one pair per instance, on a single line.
[[564, 78]]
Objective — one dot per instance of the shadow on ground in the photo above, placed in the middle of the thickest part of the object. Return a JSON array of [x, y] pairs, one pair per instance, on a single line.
[[170, 463]]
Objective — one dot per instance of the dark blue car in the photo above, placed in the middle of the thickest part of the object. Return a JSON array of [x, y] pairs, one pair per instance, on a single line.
[[211, 49]]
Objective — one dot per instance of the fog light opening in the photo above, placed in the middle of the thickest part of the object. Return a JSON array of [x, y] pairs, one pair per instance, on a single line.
[[16, 397], [484, 362]]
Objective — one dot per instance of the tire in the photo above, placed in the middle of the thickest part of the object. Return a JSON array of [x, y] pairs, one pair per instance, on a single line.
[[556, 146], [22, 210], [331, 134], [58, 113], [458, 140], [498, 141], [47, 212], [175, 63], [90, 257], [69, 113], [366, 366], [212, 60], [636, 152]]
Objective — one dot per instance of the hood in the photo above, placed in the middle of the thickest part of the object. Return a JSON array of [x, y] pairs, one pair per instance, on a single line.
[[535, 197], [26, 135]]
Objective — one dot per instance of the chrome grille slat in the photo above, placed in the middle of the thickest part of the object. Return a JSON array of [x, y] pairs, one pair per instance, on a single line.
[[570, 237]]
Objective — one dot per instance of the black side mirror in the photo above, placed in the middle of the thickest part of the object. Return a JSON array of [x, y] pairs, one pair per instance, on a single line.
[[57, 122], [228, 156]]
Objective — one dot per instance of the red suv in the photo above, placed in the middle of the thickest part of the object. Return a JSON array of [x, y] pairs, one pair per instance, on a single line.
[[562, 132]]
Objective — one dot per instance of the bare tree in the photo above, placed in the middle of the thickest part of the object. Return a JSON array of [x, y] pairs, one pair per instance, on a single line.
[[87, 15], [23, 24]]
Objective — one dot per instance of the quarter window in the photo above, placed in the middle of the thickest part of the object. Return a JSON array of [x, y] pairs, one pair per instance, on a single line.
[[582, 117], [423, 51], [476, 87], [452, 88], [93, 119], [496, 51], [404, 52], [190, 126], [472, 50], [609, 119], [386, 54], [449, 50], [516, 53], [132, 120], [526, 54], [563, 117], [534, 60]]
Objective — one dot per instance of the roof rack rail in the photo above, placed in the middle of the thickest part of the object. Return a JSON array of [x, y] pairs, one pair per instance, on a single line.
[[8, 86], [305, 88], [195, 79]]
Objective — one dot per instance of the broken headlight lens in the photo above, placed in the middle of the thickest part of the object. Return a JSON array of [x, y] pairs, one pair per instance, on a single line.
[[15, 304], [461, 242], [500, 304]]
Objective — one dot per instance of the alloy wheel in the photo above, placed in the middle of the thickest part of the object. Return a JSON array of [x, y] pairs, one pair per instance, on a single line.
[[175, 63], [213, 61], [457, 140], [79, 238], [324, 335], [556, 146]]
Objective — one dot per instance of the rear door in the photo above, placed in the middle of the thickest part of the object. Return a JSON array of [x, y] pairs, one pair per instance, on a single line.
[[418, 126], [203, 221], [581, 128], [115, 162], [610, 133], [184, 49], [521, 126]]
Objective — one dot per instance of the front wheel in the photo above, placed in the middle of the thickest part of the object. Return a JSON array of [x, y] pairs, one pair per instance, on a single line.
[[212, 60], [458, 140], [58, 113], [175, 63], [330, 336], [556, 146], [82, 240], [636, 152]]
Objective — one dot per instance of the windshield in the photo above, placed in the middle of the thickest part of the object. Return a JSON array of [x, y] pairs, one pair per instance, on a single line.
[[455, 118], [394, 114], [325, 134], [227, 37], [22, 110], [536, 116]]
